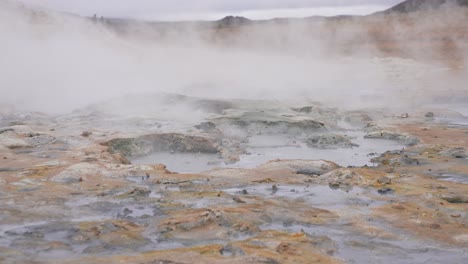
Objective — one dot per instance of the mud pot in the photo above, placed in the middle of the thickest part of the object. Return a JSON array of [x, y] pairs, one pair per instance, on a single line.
[[244, 183]]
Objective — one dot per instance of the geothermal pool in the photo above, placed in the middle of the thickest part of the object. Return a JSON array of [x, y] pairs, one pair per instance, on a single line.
[[264, 148]]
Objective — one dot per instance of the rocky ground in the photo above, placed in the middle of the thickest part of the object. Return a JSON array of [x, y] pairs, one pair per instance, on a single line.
[[245, 182]]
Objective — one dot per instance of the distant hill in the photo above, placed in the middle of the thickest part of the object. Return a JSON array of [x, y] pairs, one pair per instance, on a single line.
[[233, 21], [422, 5]]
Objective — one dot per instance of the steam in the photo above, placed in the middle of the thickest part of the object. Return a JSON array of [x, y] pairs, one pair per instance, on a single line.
[[55, 63]]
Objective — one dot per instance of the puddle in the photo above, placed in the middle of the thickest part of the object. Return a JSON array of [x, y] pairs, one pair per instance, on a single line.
[[352, 245], [182, 162], [459, 108], [53, 163], [267, 148], [452, 177], [203, 202], [137, 211], [356, 248], [317, 195], [34, 237], [6, 231], [163, 245], [453, 121], [458, 122], [264, 148], [81, 201], [89, 209]]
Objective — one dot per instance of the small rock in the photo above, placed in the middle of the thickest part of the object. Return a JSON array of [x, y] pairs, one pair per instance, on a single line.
[[284, 248], [305, 109], [244, 192], [3, 130], [231, 251], [288, 222], [266, 218], [136, 193], [245, 227], [274, 188], [398, 207], [206, 127], [330, 141], [86, 133], [435, 226], [458, 153], [384, 180], [341, 179], [309, 172], [334, 185], [33, 234], [455, 198], [205, 214], [384, 191], [237, 200], [429, 115], [126, 211], [403, 138], [392, 158], [267, 180]]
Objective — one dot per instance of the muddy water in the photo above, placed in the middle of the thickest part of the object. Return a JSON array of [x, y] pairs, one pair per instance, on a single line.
[[350, 219], [317, 196], [460, 122], [453, 119], [355, 248], [352, 246], [460, 108], [182, 162], [264, 148], [453, 177]]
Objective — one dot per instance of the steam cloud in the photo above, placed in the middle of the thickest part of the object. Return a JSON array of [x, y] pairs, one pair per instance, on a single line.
[[55, 63]]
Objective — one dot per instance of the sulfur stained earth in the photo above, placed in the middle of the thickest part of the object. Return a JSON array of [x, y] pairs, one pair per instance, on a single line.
[[70, 193]]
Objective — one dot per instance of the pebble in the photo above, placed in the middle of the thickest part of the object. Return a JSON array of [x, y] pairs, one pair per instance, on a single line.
[[386, 191], [237, 200], [274, 188], [384, 180], [86, 134], [429, 114]]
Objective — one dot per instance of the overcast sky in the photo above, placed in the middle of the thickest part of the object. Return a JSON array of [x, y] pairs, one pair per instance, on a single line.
[[212, 9]]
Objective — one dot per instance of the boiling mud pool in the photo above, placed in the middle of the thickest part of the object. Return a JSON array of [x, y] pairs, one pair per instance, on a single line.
[[264, 148]]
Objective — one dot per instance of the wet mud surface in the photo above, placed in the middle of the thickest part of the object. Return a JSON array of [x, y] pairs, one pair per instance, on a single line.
[[242, 182]]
